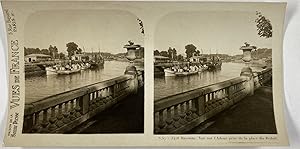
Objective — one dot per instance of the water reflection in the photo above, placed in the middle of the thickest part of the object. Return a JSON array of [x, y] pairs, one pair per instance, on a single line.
[[37, 87], [166, 86]]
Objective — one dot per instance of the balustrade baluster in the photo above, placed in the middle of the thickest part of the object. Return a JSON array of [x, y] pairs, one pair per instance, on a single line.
[[194, 109], [77, 108], [98, 98], [169, 119], [176, 116], [36, 127], [45, 121], [93, 101], [182, 114], [161, 123], [66, 119], [188, 111], [72, 111], [52, 119], [59, 117]]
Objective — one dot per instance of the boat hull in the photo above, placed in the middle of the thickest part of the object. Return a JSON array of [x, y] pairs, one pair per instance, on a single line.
[[52, 71], [170, 73]]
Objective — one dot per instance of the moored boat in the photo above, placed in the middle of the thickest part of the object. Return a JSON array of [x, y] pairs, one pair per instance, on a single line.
[[60, 70], [171, 73]]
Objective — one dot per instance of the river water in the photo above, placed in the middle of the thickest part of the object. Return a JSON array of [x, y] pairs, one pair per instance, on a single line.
[[38, 87], [166, 86]]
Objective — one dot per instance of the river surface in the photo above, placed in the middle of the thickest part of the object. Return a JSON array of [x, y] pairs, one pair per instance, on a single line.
[[166, 86], [38, 87]]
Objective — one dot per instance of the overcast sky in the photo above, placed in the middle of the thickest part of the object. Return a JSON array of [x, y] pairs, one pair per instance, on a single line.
[[108, 30], [222, 32]]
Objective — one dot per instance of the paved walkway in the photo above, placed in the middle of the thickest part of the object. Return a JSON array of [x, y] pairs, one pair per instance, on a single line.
[[126, 117], [252, 115]]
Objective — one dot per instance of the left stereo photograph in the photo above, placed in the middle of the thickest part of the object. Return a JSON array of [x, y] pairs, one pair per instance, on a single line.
[[83, 72]]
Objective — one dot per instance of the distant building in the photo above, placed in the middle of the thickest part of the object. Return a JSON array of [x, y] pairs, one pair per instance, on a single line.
[[37, 58], [161, 59]]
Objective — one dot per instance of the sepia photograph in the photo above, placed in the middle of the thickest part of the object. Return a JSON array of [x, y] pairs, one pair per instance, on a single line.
[[84, 72], [213, 73], [79, 73]]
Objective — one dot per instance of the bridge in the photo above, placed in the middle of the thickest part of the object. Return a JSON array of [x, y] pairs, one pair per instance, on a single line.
[[67, 112], [212, 109]]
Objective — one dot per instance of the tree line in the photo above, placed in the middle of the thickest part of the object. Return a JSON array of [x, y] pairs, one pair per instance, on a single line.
[[72, 48], [51, 51], [190, 50]]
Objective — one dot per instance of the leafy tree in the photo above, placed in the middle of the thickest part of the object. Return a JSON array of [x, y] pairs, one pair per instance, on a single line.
[[53, 51], [141, 26], [45, 51], [180, 58], [164, 53], [72, 48], [28, 51], [197, 53], [170, 53], [264, 26], [156, 52], [190, 50], [174, 52], [61, 55]]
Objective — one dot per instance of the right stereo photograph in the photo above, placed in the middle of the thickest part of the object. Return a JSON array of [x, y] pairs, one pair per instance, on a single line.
[[213, 73]]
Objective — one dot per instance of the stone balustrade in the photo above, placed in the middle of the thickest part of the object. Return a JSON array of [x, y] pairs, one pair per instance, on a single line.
[[63, 112], [260, 78], [182, 112]]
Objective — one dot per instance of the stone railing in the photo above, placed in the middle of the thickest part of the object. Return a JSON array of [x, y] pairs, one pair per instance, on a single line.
[[63, 112], [182, 112], [260, 78]]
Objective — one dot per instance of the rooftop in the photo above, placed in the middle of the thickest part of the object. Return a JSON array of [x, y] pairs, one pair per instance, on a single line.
[[37, 55]]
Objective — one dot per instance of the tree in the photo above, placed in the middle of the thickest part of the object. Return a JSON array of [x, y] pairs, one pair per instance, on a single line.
[[264, 26], [28, 51], [190, 50], [61, 55], [141, 26], [45, 51], [164, 53], [197, 53], [174, 52], [72, 48], [170, 53], [180, 58], [53, 51], [156, 52]]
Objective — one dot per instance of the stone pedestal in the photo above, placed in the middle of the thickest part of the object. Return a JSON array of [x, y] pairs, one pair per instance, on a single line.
[[247, 73], [131, 70]]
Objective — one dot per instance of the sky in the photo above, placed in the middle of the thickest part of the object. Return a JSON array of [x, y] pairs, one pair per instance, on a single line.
[[222, 32], [108, 30]]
